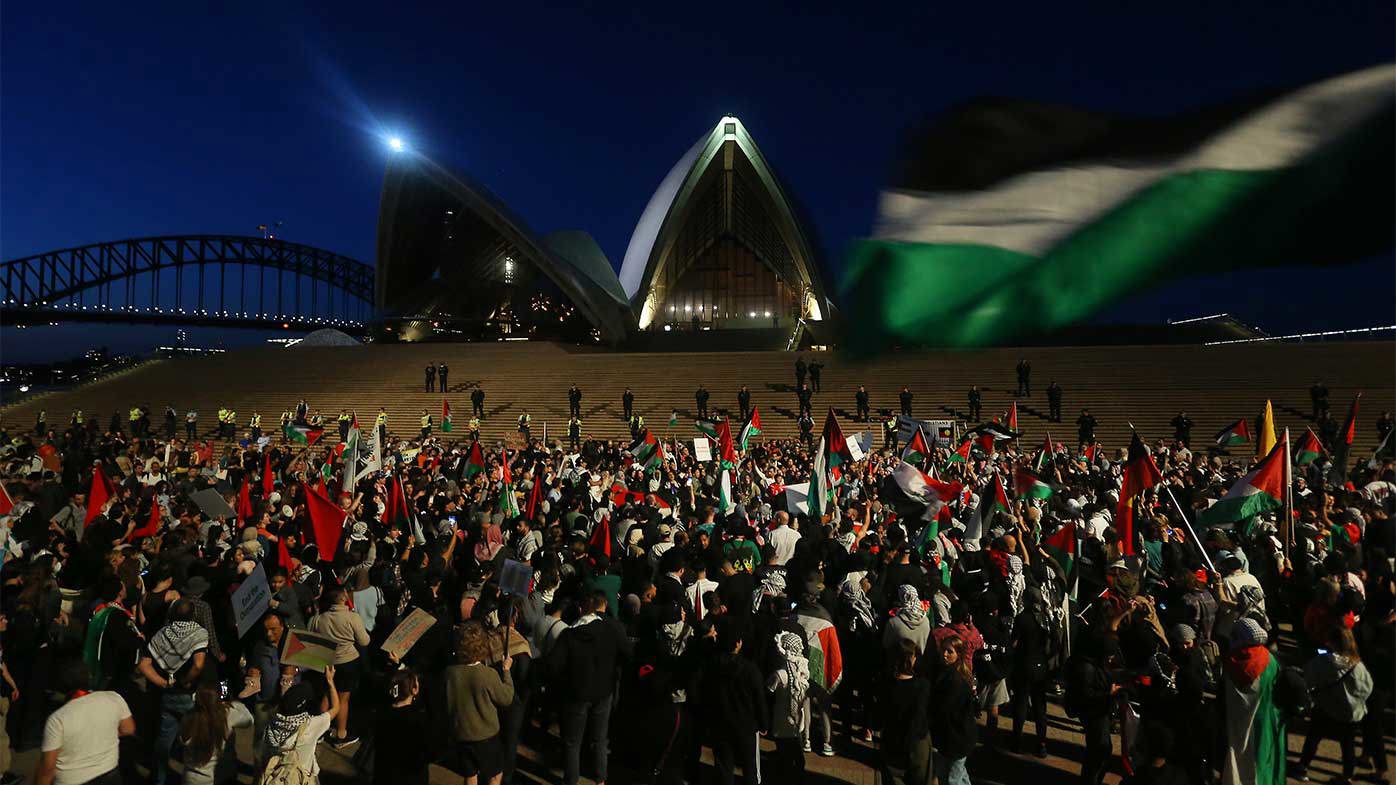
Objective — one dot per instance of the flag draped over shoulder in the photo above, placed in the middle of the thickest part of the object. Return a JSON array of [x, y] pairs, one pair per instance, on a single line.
[[1261, 490], [1002, 208], [1140, 474]]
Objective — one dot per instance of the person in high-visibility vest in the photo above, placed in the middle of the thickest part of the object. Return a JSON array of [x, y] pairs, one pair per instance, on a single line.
[[426, 425], [637, 425], [524, 421], [254, 424], [381, 424], [231, 426], [343, 421], [475, 429], [889, 433], [77, 418], [222, 418]]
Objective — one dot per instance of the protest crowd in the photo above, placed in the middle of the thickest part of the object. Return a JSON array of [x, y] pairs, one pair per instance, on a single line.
[[664, 611]]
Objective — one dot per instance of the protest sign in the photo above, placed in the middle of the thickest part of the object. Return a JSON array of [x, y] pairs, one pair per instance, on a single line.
[[251, 600], [408, 632]]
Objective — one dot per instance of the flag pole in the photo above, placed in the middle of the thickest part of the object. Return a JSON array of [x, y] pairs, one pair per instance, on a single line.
[[1288, 533], [1196, 540]]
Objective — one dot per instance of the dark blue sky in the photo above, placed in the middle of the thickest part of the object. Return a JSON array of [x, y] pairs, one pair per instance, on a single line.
[[121, 120]]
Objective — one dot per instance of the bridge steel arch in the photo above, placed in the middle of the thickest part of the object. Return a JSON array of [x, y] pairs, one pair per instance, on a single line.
[[107, 275]]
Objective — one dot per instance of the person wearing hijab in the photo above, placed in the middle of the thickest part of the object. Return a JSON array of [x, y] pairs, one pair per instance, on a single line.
[[789, 686], [1255, 727], [909, 623]]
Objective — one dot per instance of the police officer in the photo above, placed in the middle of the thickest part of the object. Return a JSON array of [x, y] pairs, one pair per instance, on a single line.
[[744, 402], [976, 401], [302, 409], [889, 432], [477, 402], [1085, 427], [700, 397], [254, 424], [430, 374], [76, 421], [524, 421], [343, 421], [1319, 395], [191, 424], [1024, 369], [135, 417], [905, 399], [806, 428], [380, 424], [41, 423], [475, 429], [231, 426], [115, 425], [171, 422], [637, 425], [1182, 429], [804, 396], [574, 402], [860, 401], [574, 433], [426, 425], [285, 421], [800, 370], [815, 368], [441, 373], [1054, 401], [627, 403]]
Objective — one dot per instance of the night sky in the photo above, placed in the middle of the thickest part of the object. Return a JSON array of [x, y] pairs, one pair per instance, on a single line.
[[122, 120]]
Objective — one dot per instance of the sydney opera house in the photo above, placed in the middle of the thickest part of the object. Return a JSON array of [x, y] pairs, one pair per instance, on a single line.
[[719, 247]]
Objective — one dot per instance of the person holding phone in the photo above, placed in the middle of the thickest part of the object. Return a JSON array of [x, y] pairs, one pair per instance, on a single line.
[[206, 732]]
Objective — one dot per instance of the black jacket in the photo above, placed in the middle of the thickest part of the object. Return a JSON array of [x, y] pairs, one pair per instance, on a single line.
[[952, 715], [583, 662], [732, 697]]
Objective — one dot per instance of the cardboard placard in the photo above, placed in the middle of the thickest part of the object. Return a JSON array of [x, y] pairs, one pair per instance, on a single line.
[[212, 504], [702, 449], [408, 632], [251, 600]]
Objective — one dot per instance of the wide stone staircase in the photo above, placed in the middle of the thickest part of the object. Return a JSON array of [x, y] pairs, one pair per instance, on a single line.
[[1145, 385]]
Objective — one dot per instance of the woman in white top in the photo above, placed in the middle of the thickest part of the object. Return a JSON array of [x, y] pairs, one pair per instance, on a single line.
[[206, 731], [294, 730]]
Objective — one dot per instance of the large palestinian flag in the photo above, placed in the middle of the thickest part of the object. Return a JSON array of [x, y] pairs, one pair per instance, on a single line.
[[474, 462], [1002, 208], [921, 488], [1260, 491], [1234, 434], [1028, 485]]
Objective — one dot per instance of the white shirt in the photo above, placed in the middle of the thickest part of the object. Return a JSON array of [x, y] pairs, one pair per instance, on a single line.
[[310, 734], [84, 732], [783, 540]]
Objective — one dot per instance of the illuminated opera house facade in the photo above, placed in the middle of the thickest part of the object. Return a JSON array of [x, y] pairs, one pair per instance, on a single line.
[[720, 246]]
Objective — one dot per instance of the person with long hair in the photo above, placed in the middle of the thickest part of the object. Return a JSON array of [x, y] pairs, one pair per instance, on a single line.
[[906, 734], [206, 733], [399, 755], [1340, 685], [953, 707]]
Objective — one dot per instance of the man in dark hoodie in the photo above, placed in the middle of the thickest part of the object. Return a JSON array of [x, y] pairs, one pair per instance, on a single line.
[[734, 706], [583, 666]]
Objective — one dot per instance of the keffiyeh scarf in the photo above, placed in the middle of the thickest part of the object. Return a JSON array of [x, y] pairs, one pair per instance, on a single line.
[[912, 611], [852, 594], [283, 727], [773, 583], [796, 665], [175, 643]]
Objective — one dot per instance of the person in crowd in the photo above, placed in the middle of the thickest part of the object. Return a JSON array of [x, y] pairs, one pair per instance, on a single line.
[[976, 403], [734, 704], [1340, 685], [700, 399], [744, 402], [627, 404], [953, 708], [574, 401], [346, 630], [905, 398], [1255, 725], [801, 368], [583, 665], [477, 402], [400, 756], [475, 695], [81, 737], [1024, 370], [816, 369], [804, 396], [430, 375], [906, 725], [860, 404], [789, 686], [442, 374], [206, 733], [174, 661], [1054, 401], [1085, 428], [294, 731]]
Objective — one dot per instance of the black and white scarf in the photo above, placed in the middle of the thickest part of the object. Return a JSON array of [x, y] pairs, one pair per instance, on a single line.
[[175, 643]]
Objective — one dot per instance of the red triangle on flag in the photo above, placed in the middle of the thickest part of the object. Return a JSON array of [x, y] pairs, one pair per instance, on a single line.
[[98, 494]]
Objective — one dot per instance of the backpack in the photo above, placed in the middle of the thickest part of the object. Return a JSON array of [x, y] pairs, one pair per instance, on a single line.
[[284, 767], [1291, 692]]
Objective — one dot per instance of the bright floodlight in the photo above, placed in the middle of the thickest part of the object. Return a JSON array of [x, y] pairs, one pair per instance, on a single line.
[[395, 144]]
